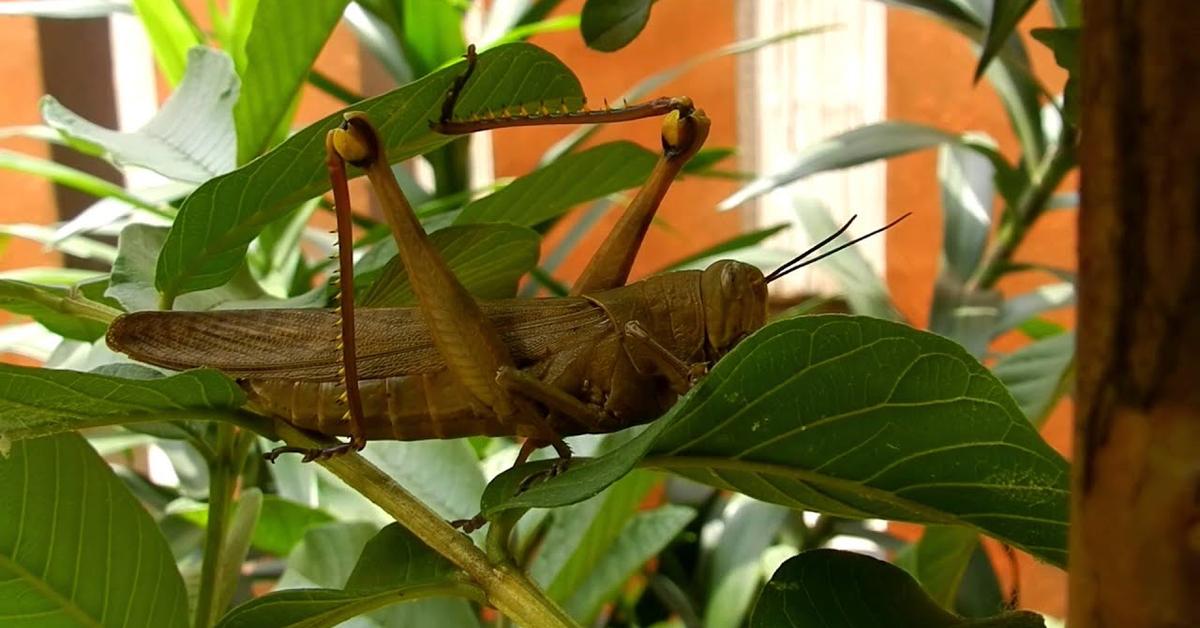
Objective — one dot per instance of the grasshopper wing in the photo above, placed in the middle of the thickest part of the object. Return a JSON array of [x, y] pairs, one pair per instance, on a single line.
[[303, 344]]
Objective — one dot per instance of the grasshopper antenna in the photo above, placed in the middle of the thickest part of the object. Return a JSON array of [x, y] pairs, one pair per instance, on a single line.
[[798, 262]]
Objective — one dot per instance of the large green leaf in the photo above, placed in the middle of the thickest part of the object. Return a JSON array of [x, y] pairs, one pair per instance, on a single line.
[[37, 402], [172, 33], [55, 308], [488, 259], [219, 219], [393, 567], [856, 146], [282, 44], [829, 587], [548, 192], [190, 139], [609, 25], [1038, 374], [850, 416], [76, 549], [1005, 16]]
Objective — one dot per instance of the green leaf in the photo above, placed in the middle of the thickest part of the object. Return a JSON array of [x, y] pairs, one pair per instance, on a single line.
[[276, 254], [856, 146], [76, 549], [444, 474], [172, 33], [393, 567], [217, 222], [1065, 43], [75, 245], [70, 177], [739, 242], [74, 9], [643, 538], [579, 536], [489, 260], [38, 402], [852, 590], [1005, 16], [1023, 307], [550, 191], [1068, 13], [53, 307], [734, 558], [853, 417], [327, 555], [432, 33], [240, 530], [939, 560], [282, 44], [968, 191], [190, 139], [1038, 374], [965, 316], [132, 279], [609, 25], [281, 526]]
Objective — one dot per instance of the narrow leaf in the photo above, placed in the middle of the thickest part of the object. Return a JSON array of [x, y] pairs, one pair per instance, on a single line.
[[863, 287], [830, 587], [489, 260], [736, 243], [735, 559], [609, 25], [217, 222], [850, 416], [70, 177], [1038, 374], [1005, 16], [643, 538], [279, 51], [54, 308], [939, 560], [1023, 307], [548, 192], [856, 146], [37, 402], [393, 567], [968, 191], [76, 549]]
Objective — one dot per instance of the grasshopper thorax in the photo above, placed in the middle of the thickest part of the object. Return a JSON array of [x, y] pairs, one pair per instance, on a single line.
[[734, 295]]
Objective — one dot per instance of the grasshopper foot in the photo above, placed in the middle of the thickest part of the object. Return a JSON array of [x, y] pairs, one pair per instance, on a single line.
[[469, 525], [311, 454], [559, 466]]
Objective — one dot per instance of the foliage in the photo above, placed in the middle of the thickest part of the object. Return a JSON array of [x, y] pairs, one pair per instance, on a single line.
[[852, 417]]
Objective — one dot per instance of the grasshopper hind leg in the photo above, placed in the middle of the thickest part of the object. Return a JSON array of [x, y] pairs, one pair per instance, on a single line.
[[313, 454]]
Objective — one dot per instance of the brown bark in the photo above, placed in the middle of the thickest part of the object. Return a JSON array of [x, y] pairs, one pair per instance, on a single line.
[[1135, 539]]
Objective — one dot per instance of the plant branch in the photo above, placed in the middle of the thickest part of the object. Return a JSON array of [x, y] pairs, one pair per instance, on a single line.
[[506, 586], [1029, 207], [222, 473]]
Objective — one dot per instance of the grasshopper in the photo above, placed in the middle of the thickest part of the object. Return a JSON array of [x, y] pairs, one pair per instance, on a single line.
[[607, 357]]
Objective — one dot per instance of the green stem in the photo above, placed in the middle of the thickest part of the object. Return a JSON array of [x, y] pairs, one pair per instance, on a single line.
[[326, 84], [222, 474], [1029, 207], [510, 590]]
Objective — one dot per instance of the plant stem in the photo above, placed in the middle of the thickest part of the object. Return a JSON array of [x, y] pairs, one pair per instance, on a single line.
[[1029, 207], [222, 473], [506, 586], [325, 83]]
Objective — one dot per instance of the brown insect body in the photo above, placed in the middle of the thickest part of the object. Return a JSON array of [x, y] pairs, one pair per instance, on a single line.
[[288, 360]]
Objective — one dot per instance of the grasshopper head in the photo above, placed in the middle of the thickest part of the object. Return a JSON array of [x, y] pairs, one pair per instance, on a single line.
[[735, 304]]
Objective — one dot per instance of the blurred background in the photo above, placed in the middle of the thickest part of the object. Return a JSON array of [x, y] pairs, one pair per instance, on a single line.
[[778, 78]]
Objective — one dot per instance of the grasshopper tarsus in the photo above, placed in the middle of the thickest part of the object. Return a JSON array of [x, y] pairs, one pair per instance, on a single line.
[[469, 525], [313, 454]]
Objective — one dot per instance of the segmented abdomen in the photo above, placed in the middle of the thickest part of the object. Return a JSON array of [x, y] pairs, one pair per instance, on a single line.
[[405, 407]]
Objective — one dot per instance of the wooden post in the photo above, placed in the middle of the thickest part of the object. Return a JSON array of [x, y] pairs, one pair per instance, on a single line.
[[1135, 538]]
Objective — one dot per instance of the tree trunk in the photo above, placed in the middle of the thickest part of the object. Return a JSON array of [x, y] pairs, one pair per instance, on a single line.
[[1135, 538]]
